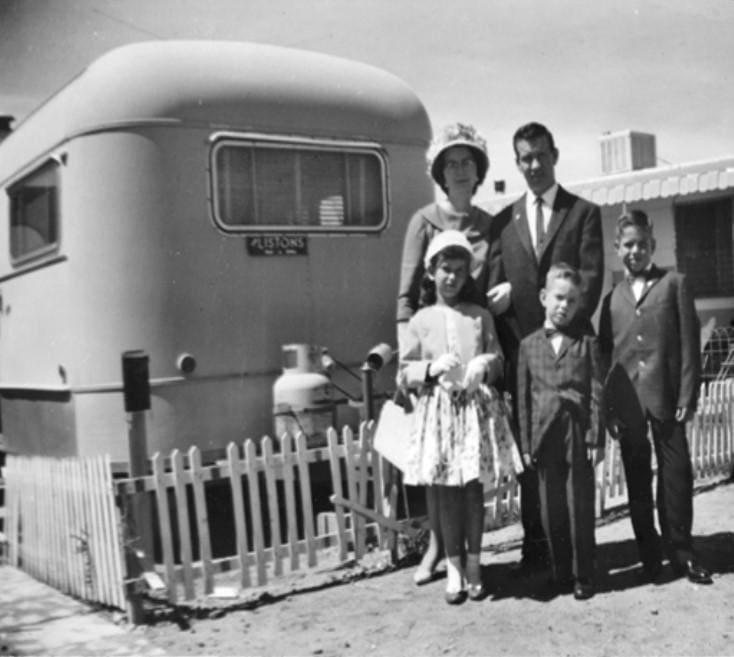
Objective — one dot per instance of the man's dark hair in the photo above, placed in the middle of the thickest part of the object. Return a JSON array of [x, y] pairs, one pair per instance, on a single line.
[[531, 132]]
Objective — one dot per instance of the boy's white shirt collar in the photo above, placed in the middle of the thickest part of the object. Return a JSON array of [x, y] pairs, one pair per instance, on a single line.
[[557, 338], [639, 284]]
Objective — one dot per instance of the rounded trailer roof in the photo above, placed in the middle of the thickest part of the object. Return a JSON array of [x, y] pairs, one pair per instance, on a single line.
[[227, 86]]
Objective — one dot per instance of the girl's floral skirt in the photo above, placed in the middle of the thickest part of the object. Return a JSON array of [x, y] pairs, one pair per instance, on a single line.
[[457, 438]]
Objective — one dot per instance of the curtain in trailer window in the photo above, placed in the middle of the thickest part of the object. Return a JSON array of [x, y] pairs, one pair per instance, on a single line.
[[34, 214], [287, 187]]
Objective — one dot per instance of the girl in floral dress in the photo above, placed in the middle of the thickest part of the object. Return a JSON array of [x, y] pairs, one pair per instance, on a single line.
[[460, 439]]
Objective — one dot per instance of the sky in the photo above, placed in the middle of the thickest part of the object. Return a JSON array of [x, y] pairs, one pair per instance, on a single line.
[[580, 67]]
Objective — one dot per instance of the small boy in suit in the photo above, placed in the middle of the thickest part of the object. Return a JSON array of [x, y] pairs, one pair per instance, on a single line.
[[650, 332], [561, 428]]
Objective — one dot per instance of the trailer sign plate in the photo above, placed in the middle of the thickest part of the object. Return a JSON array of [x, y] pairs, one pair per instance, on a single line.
[[283, 244]]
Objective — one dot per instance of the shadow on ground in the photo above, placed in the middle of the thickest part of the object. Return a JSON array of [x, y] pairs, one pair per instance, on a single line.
[[618, 568]]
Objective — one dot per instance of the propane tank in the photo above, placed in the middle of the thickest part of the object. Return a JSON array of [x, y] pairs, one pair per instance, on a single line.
[[303, 398]]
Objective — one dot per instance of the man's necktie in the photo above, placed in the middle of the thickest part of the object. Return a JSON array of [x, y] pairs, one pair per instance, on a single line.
[[539, 225]]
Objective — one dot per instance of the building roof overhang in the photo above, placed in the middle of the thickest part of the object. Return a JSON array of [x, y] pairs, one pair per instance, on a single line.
[[648, 184]]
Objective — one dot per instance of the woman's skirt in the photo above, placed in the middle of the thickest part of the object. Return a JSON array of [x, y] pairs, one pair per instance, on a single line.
[[455, 439]]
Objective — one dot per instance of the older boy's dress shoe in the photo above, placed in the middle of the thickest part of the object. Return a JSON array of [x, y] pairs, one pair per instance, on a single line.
[[651, 571], [583, 589], [695, 573]]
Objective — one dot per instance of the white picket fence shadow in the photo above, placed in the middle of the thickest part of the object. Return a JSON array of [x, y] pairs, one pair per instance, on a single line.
[[63, 527]]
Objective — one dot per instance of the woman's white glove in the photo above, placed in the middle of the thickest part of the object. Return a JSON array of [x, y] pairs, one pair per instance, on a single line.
[[443, 364], [476, 370]]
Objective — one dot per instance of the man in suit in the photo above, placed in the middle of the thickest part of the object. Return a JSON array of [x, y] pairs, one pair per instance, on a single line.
[[547, 225], [562, 428], [650, 330]]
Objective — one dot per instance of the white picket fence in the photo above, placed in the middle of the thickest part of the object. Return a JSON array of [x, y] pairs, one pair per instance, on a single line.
[[63, 523]]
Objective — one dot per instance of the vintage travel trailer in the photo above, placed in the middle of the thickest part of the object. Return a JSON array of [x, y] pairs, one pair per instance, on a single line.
[[207, 203]]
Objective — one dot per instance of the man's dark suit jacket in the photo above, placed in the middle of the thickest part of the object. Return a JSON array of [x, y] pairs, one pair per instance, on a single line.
[[574, 236], [550, 383], [654, 345]]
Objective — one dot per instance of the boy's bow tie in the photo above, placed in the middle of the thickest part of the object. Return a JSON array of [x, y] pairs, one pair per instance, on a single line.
[[641, 276], [550, 332]]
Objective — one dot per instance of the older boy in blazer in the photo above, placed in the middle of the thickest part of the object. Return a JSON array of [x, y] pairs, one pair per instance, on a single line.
[[650, 331], [561, 428], [547, 225]]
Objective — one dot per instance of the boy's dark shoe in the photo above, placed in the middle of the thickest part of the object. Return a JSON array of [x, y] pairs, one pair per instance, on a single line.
[[695, 573], [526, 567], [534, 560], [650, 572], [583, 589], [551, 588]]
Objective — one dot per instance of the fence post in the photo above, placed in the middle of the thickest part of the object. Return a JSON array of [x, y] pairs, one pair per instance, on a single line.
[[138, 558], [391, 477]]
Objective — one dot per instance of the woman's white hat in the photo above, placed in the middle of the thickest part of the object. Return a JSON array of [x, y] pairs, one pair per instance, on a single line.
[[444, 240], [457, 134]]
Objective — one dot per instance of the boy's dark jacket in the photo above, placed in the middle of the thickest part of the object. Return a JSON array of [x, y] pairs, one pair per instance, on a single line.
[[653, 345], [549, 384]]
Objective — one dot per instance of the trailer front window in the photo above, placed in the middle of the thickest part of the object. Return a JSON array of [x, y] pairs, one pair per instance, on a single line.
[[34, 214], [272, 185]]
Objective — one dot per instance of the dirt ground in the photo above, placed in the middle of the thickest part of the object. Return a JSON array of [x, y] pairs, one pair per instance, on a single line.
[[388, 615]]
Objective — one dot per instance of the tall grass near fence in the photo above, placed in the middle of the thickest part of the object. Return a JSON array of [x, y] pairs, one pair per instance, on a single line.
[[63, 527]]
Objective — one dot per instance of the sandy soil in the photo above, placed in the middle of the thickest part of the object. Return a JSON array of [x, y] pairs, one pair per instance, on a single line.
[[388, 615]]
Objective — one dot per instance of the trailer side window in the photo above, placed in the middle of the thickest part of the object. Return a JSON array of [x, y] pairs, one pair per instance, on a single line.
[[34, 214], [287, 186]]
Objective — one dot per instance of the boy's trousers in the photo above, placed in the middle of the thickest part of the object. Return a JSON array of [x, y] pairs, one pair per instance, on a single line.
[[674, 488], [567, 489]]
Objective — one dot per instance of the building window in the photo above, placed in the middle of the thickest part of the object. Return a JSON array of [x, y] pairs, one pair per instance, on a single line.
[[704, 246], [34, 214], [267, 185]]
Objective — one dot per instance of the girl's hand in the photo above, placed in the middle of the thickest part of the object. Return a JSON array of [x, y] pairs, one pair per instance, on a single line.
[[476, 370], [683, 414], [615, 428], [594, 454], [443, 364]]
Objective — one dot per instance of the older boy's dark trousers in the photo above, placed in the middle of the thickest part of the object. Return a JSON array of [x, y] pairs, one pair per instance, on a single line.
[[566, 483], [674, 488]]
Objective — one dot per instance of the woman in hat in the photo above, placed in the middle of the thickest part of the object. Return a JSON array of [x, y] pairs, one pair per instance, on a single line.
[[458, 163]]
